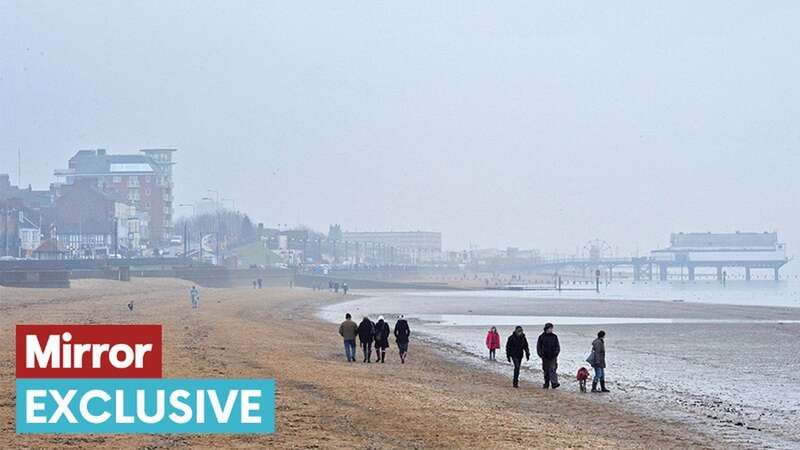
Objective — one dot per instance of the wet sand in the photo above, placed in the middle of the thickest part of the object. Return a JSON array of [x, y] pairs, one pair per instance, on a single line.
[[725, 370], [322, 401]]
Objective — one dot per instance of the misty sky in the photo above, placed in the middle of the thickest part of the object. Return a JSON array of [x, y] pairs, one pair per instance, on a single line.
[[534, 124]]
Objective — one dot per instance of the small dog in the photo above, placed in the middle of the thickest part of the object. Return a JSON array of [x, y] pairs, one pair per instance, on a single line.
[[582, 376], [130, 306]]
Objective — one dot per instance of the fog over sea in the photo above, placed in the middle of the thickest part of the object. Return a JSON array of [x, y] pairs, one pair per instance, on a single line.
[[721, 359]]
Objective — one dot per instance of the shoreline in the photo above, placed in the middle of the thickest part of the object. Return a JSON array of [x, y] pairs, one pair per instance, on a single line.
[[644, 386], [321, 400]]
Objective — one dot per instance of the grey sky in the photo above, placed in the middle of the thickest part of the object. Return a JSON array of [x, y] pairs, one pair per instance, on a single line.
[[537, 124]]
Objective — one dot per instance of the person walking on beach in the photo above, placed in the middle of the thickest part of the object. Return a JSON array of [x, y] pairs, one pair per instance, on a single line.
[[348, 329], [516, 345], [402, 333], [492, 342], [548, 349], [382, 333], [195, 296], [366, 333], [344, 288], [598, 361]]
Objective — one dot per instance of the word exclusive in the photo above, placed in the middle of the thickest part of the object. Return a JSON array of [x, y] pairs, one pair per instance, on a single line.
[[107, 379], [88, 351], [145, 406]]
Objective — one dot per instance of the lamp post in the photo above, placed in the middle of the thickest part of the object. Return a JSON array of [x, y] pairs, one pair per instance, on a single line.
[[186, 244], [218, 256]]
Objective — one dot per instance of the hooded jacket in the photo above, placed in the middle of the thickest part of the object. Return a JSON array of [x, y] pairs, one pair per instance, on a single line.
[[402, 331], [492, 340], [382, 333], [516, 345], [366, 330]]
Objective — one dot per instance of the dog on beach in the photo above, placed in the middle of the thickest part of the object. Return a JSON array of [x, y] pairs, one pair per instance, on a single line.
[[582, 376], [130, 305]]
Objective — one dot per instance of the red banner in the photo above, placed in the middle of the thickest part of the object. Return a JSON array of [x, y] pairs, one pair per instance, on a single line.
[[88, 351]]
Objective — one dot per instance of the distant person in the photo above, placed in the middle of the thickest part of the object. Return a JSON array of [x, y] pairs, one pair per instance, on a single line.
[[130, 305], [516, 345], [330, 285], [382, 333], [348, 329], [402, 333], [195, 296], [254, 284], [582, 376], [492, 342], [366, 333], [260, 282], [336, 287], [344, 288], [548, 349], [598, 361]]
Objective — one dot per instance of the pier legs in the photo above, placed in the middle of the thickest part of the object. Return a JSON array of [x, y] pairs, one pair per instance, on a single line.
[[662, 272], [777, 274], [747, 273], [719, 274], [691, 272]]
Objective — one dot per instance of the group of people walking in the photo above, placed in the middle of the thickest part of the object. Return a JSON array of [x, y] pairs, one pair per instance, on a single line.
[[548, 349], [371, 333]]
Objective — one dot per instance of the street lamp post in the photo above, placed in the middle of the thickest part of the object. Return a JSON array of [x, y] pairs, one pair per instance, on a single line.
[[186, 244], [218, 256]]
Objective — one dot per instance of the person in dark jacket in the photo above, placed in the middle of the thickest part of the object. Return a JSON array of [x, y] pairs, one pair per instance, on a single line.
[[548, 349], [382, 333], [366, 333], [599, 362], [516, 345], [401, 333]]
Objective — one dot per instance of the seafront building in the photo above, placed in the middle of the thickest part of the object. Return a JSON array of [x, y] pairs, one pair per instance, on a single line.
[[720, 251], [411, 246], [143, 181]]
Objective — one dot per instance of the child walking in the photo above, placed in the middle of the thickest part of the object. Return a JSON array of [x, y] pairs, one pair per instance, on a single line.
[[492, 342]]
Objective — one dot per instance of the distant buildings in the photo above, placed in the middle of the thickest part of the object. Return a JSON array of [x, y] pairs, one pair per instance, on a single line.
[[721, 250], [408, 246], [87, 222], [143, 181], [100, 204]]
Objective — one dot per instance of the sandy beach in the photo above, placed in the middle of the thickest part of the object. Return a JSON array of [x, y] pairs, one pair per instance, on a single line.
[[322, 401]]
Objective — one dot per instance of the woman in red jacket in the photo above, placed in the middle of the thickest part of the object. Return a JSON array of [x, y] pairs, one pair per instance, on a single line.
[[492, 342]]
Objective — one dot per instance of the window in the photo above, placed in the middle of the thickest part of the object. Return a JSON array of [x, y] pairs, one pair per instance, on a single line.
[[147, 204], [133, 181], [147, 179], [166, 210], [117, 179], [133, 194]]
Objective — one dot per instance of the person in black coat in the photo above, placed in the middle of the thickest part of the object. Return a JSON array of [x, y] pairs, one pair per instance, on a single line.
[[548, 349], [516, 345], [402, 332], [366, 333], [382, 333]]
